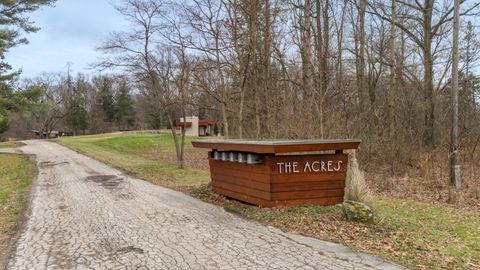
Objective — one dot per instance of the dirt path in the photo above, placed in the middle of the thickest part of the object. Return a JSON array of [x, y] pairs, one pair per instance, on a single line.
[[86, 215]]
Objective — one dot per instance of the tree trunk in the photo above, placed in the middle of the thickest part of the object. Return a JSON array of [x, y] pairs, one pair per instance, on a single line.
[[225, 120], [306, 52], [264, 108], [429, 101], [323, 53], [393, 70], [223, 88], [175, 140], [455, 167], [181, 164], [361, 84], [339, 66]]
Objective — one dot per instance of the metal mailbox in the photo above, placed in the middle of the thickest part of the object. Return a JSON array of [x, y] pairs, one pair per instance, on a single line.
[[279, 172]]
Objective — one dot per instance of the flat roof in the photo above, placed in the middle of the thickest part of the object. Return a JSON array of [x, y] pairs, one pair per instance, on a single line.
[[277, 146]]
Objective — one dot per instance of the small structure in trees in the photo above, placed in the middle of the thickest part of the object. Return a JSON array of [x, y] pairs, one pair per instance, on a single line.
[[51, 134], [196, 127]]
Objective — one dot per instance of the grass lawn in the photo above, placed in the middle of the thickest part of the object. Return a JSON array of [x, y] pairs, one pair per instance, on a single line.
[[11, 144], [140, 155], [16, 173], [418, 234]]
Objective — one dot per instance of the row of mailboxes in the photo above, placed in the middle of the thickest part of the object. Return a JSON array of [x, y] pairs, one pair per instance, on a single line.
[[240, 157]]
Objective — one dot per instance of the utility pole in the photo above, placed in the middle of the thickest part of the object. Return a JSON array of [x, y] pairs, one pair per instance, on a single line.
[[455, 167]]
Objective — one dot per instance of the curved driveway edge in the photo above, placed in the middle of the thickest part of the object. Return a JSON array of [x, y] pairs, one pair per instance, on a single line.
[[87, 215]]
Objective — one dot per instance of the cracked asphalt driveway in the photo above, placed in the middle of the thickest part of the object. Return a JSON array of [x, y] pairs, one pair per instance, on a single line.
[[87, 215]]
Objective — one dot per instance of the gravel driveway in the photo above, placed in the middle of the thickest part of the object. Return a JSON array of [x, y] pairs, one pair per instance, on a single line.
[[87, 215]]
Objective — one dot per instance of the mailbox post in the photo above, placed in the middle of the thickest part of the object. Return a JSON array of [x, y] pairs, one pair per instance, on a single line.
[[272, 173]]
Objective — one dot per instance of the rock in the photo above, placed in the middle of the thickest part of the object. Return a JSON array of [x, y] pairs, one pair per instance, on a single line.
[[357, 211]]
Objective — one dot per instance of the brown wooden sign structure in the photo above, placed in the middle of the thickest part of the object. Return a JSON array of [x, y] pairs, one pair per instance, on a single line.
[[279, 172]]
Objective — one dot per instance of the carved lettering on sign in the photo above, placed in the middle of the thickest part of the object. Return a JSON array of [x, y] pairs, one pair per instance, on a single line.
[[288, 167], [308, 167]]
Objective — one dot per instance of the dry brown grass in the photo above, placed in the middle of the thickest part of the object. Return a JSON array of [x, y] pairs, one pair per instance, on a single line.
[[356, 187], [427, 179]]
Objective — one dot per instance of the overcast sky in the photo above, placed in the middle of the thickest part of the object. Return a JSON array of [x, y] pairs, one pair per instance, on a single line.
[[70, 32]]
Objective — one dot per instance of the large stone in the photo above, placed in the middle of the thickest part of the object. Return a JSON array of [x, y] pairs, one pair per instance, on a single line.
[[357, 211]]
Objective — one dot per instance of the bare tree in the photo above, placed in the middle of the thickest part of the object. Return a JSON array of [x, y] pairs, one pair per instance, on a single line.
[[208, 21], [393, 71], [426, 24], [455, 167], [142, 52], [378, 70], [51, 108]]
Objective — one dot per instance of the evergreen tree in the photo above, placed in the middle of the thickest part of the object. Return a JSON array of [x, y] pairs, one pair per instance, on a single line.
[[76, 117], [13, 22], [125, 113], [106, 98], [470, 48], [154, 118], [16, 101]]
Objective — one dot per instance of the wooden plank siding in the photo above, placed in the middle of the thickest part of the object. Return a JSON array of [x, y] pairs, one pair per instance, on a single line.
[[267, 203], [265, 185], [299, 186]]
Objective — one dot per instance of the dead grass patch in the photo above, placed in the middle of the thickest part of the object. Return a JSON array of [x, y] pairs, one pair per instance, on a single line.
[[11, 144]]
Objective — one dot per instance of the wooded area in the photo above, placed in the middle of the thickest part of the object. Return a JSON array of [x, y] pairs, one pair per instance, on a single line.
[[375, 70]]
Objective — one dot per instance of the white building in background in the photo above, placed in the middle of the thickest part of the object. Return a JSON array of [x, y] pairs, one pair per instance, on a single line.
[[196, 127]]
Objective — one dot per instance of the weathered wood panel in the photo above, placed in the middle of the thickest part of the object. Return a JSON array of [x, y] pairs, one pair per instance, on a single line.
[[316, 201], [315, 147], [299, 186], [271, 203], [259, 177], [307, 194], [283, 179], [243, 190], [301, 177], [279, 146], [240, 196], [246, 182], [255, 168]]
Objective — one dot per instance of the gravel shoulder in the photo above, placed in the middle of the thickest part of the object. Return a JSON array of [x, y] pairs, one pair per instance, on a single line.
[[87, 215]]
